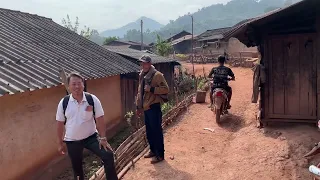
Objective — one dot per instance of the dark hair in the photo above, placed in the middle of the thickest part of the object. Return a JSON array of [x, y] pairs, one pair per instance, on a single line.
[[221, 59], [74, 74]]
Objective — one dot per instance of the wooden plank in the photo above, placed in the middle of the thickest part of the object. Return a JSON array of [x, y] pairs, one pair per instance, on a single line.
[[292, 80], [270, 82], [307, 107], [284, 116], [265, 88], [277, 90], [292, 120], [314, 75], [317, 58], [123, 90]]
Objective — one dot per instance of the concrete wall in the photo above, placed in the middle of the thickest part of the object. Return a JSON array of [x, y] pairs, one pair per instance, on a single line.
[[235, 46], [28, 131], [213, 50], [108, 90]]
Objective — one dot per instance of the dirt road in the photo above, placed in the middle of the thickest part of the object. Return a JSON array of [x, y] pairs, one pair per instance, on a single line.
[[236, 149]]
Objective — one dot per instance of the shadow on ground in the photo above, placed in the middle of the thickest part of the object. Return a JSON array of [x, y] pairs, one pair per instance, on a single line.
[[300, 138], [165, 170], [231, 122]]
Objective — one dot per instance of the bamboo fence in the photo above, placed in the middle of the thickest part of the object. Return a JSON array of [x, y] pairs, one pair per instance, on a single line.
[[136, 145]]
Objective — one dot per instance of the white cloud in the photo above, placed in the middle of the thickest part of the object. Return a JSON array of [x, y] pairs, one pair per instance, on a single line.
[[108, 14]]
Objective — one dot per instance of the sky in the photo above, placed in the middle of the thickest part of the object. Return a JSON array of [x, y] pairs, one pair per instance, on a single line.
[[108, 14]]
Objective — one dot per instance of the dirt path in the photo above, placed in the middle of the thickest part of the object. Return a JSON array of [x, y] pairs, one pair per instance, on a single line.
[[236, 149]]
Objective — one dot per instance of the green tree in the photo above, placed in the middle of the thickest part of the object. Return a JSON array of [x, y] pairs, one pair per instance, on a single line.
[[163, 48], [109, 39], [96, 38], [67, 23]]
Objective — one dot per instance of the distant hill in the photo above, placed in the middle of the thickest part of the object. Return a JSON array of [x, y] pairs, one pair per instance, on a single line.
[[148, 23], [212, 17], [220, 15]]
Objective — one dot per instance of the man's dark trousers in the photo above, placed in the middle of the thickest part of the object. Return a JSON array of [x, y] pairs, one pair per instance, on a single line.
[[153, 122], [75, 151]]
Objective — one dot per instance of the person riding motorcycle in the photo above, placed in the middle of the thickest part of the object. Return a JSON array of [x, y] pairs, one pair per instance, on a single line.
[[220, 79]]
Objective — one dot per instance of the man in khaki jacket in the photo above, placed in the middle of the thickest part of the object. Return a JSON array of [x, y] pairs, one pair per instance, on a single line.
[[152, 92]]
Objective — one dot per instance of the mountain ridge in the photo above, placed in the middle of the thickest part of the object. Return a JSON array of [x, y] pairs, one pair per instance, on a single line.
[[148, 23], [212, 17]]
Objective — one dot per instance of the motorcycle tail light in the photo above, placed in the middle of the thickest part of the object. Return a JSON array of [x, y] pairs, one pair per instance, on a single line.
[[219, 93]]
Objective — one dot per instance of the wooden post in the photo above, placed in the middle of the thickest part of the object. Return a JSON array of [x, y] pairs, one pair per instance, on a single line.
[[176, 95], [63, 77], [317, 56], [141, 35]]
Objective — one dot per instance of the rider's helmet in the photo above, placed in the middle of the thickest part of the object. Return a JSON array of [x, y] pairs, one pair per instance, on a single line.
[[221, 59]]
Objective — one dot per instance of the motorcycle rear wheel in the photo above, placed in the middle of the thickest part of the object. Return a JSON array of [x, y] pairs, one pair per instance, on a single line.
[[218, 115]]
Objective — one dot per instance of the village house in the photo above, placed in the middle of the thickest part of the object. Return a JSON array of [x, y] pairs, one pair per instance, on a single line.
[[173, 40], [182, 45], [288, 40], [163, 64], [129, 44], [32, 51], [178, 36], [213, 43]]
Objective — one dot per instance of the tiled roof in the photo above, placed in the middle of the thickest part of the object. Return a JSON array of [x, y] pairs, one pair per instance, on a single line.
[[33, 48], [136, 54]]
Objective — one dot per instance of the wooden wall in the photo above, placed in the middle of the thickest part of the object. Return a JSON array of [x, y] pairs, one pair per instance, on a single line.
[[318, 60], [183, 47], [129, 90], [280, 33]]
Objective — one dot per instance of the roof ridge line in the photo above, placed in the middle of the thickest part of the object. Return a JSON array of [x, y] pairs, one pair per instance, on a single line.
[[16, 11]]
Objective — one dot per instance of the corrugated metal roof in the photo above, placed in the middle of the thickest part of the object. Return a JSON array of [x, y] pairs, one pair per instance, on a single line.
[[213, 37], [128, 43], [176, 36], [33, 48], [212, 33], [241, 27], [184, 38], [231, 32], [136, 54]]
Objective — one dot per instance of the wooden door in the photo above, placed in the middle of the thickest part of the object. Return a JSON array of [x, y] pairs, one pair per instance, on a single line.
[[292, 77]]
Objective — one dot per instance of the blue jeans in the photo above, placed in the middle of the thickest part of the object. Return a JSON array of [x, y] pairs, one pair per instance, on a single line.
[[75, 150]]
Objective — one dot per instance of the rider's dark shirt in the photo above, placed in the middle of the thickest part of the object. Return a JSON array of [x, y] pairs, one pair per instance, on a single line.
[[220, 75]]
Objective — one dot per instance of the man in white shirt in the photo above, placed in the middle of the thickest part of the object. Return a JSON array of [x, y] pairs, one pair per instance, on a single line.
[[76, 114]]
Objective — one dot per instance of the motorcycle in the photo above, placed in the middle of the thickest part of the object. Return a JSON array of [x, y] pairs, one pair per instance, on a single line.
[[315, 170], [220, 102]]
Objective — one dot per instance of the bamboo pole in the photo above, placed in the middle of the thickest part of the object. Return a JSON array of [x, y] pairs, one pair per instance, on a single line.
[[135, 146], [132, 156], [126, 168], [132, 143], [127, 145]]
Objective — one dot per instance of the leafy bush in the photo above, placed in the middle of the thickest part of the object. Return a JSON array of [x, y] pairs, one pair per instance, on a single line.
[[184, 82], [202, 84], [181, 55], [166, 107]]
